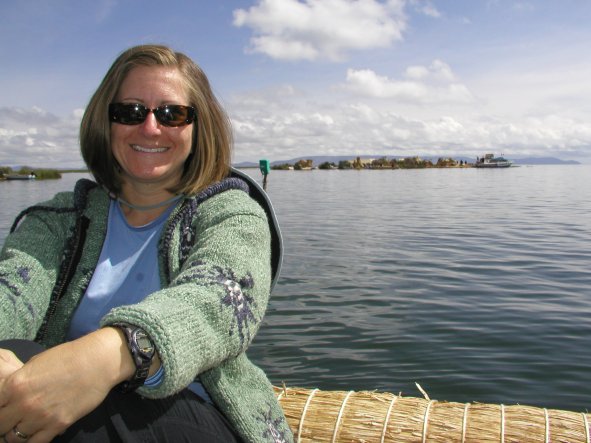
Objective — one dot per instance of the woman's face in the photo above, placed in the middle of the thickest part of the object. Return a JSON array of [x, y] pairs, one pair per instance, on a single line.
[[150, 152]]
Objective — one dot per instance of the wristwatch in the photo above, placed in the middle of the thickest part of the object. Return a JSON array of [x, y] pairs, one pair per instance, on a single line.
[[142, 351]]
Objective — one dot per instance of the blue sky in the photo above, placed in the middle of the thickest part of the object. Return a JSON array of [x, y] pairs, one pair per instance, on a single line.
[[317, 77]]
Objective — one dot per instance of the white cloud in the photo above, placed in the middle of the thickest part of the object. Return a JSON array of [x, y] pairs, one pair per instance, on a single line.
[[284, 126], [367, 82], [426, 110], [36, 138], [317, 29], [437, 71], [416, 72], [435, 83], [441, 71]]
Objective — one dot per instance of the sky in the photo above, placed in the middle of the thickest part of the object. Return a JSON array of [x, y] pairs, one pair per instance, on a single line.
[[445, 78]]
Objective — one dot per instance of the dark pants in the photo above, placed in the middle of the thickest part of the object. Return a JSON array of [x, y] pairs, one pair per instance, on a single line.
[[183, 417]]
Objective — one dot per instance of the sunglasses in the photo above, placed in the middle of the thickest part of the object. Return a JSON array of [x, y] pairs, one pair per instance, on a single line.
[[167, 115]]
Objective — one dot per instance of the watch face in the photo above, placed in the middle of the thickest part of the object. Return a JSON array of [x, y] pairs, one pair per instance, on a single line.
[[145, 345]]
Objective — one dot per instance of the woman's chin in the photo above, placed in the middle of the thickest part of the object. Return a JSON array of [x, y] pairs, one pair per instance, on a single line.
[[154, 175]]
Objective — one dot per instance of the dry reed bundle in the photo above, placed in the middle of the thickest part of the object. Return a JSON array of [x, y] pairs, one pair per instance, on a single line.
[[364, 416]]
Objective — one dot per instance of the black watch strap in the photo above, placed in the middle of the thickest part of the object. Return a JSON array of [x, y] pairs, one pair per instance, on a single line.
[[142, 351]]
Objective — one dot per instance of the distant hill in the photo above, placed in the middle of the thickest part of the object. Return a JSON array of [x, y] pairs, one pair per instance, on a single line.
[[544, 161], [246, 165], [319, 159]]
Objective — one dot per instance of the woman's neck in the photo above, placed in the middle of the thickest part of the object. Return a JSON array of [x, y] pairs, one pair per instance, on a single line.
[[140, 208]]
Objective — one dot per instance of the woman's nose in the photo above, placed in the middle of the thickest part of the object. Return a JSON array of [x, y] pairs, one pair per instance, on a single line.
[[150, 126]]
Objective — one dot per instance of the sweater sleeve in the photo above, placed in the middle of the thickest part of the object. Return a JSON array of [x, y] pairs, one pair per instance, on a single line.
[[214, 306], [29, 263]]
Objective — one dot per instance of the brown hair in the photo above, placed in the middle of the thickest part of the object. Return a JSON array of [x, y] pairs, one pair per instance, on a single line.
[[212, 134]]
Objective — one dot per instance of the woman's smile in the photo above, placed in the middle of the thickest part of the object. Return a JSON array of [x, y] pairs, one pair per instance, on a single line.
[[148, 150]]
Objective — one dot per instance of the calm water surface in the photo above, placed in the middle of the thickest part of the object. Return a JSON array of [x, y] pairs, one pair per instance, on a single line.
[[474, 283]]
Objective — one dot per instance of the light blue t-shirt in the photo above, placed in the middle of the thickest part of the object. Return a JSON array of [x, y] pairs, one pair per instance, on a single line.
[[127, 272]]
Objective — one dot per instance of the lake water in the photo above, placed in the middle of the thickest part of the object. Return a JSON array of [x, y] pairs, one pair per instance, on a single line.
[[474, 283]]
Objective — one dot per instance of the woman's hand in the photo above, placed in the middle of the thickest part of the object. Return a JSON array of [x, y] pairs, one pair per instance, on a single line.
[[9, 363], [59, 386]]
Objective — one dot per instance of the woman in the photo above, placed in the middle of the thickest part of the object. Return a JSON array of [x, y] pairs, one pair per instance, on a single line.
[[144, 288]]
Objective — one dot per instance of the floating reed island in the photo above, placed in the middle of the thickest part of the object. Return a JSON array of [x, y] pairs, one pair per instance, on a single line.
[[368, 416], [375, 163], [27, 173]]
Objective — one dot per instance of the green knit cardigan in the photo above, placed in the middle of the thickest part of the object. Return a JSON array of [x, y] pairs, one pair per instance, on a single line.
[[214, 259]]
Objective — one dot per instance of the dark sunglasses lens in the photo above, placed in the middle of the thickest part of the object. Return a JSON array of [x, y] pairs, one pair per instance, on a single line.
[[134, 114], [128, 114], [174, 115]]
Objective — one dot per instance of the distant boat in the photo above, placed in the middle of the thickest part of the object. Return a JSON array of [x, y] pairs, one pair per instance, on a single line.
[[490, 161], [31, 176]]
